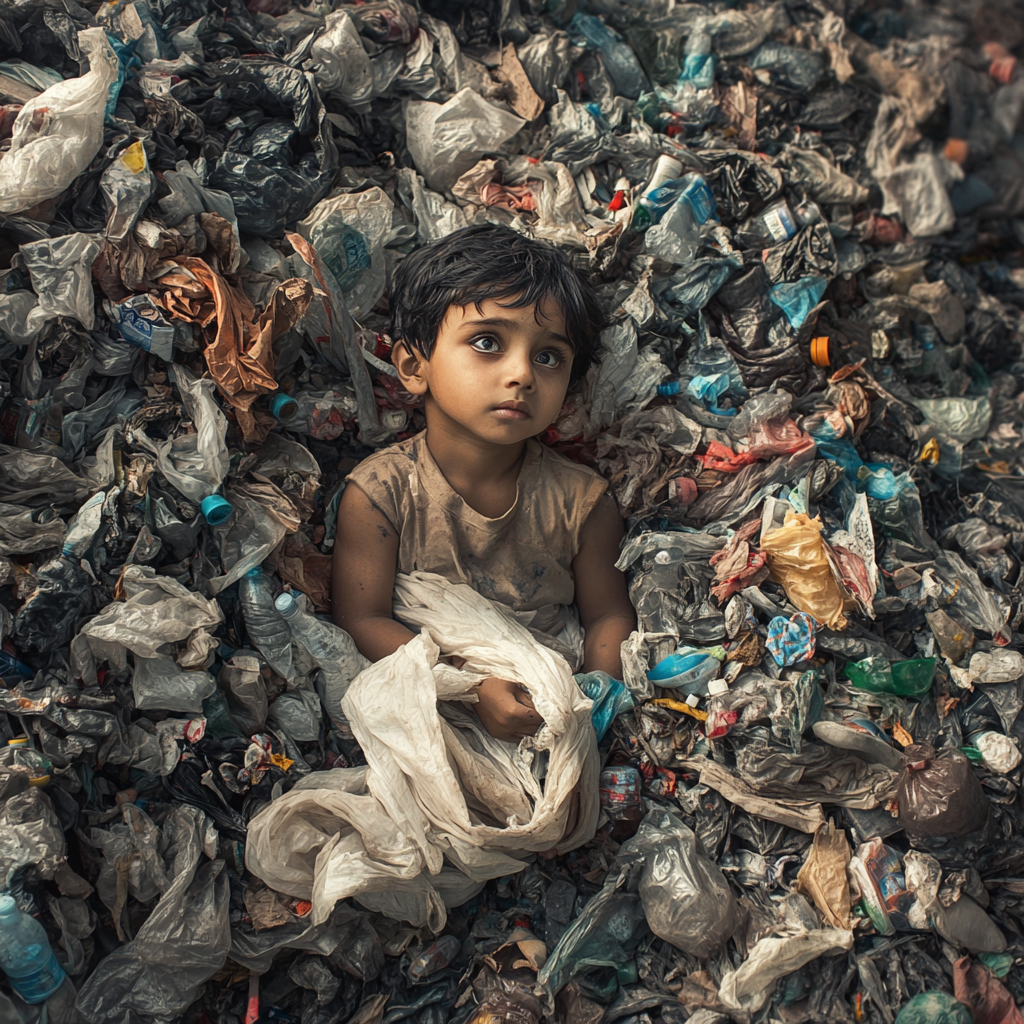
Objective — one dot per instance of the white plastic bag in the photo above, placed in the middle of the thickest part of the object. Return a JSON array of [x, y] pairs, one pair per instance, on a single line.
[[349, 231], [57, 133], [446, 140], [342, 68], [442, 806]]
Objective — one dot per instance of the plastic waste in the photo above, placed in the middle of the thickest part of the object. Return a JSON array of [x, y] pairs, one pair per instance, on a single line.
[[934, 1008], [58, 132], [676, 235], [684, 894], [265, 625], [611, 698], [437, 955], [797, 559], [911, 678], [939, 796], [332, 649], [25, 954]]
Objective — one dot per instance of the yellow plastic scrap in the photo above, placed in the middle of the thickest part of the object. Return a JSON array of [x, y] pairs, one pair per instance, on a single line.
[[798, 561], [930, 452], [678, 705]]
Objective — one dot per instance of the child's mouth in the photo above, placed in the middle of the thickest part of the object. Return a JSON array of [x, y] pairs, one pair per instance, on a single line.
[[511, 411]]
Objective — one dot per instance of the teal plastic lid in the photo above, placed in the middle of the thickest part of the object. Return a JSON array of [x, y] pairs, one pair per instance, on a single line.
[[284, 407], [216, 509]]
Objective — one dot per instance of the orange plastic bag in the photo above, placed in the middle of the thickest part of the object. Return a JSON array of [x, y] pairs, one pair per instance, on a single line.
[[798, 559]]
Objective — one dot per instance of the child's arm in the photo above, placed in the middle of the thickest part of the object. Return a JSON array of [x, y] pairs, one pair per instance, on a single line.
[[602, 598], [362, 586], [363, 577]]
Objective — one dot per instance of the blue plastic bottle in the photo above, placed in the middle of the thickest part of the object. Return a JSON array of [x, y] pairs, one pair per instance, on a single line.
[[26, 956]]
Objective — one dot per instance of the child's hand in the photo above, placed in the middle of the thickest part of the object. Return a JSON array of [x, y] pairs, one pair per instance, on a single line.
[[505, 710]]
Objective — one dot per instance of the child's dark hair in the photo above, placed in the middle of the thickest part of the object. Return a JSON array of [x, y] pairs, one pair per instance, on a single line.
[[488, 261]]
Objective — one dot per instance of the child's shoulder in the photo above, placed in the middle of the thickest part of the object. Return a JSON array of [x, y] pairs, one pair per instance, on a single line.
[[399, 454], [553, 465]]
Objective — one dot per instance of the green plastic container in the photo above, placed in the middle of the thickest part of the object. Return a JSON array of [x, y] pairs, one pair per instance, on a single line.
[[911, 678]]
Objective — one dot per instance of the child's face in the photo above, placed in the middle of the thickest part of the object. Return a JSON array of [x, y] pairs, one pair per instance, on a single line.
[[495, 372]]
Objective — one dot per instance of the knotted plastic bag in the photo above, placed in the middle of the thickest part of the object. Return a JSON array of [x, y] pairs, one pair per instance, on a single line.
[[939, 795]]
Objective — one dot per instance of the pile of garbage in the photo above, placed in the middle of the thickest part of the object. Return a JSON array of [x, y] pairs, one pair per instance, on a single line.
[[806, 225]]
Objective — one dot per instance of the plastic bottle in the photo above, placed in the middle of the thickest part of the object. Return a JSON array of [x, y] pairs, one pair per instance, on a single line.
[[26, 956], [619, 790], [698, 61], [438, 955], [267, 629], [19, 753], [619, 60], [324, 415], [676, 236], [332, 649], [912, 678], [774, 224], [653, 204]]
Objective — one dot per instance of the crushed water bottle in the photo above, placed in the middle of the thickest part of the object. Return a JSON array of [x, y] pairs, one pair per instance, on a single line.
[[330, 647], [26, 956], [267, 629]]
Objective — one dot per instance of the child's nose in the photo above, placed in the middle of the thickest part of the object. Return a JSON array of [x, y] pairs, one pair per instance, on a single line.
[[520, 370]]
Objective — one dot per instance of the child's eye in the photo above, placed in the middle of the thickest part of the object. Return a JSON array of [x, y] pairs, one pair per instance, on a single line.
[[486, 340], [549, 357]]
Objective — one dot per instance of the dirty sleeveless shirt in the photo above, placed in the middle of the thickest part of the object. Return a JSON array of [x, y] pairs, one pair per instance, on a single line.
[[522, 559]]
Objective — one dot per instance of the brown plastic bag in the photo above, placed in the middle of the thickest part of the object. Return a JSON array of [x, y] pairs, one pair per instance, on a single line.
[[823, 875], [939, 796], [798, 559]]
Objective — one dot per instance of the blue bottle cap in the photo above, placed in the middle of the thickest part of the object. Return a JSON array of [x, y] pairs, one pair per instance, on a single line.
[[284, 407], [215, 509], [671, 388]]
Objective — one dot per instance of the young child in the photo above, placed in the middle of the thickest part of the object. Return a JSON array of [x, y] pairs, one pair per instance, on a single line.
[[491, 328]]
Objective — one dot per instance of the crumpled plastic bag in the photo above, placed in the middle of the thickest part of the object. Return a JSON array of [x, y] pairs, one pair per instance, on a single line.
[[823, 875], [57, 134], [798, 559], [685, 896], [443, 806], [446, 140], [939, 795], [157, 610], [183, 942], [748, 987]]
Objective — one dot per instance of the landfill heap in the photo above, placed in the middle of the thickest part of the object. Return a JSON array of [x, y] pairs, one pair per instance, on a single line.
[[805, 221]]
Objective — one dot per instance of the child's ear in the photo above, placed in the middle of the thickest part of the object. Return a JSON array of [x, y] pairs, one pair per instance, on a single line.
[[411, 367]]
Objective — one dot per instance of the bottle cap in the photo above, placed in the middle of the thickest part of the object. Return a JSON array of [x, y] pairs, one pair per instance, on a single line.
[[717, 686], [216, 509], [819, 351], [39, 780], [671, 388], [18, 741], [692, 700], [253, 573], [284, 407], [667, 168], [285, 604], [7, 906]]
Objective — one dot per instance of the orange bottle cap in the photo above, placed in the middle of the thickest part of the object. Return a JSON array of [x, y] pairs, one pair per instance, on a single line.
[[819, 351]]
